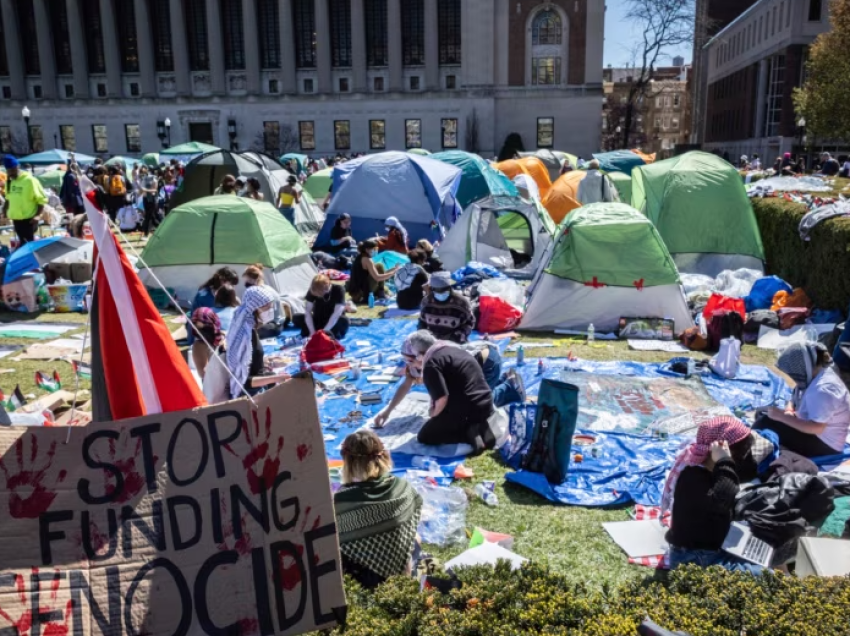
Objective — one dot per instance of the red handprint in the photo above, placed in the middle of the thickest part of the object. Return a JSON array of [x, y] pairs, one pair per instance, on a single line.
[[23, 624], [31, 479], [123, 455], [261, 467], [242, 545]]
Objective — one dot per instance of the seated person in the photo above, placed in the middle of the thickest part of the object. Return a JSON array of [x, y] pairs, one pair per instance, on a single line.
[[445, 313], [700, 491], [376, 513], [367, 277], [206, 330], [829, 166], [432, 262], [411, 280], [461, 401], [226, 303], [396, 238], [341, 242], [324, 309], [245, 356], [816, 421], [507, 389], [205, 297]]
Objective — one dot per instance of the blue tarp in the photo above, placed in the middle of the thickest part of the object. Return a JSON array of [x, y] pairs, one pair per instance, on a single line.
[[35, 254], [618, 161]]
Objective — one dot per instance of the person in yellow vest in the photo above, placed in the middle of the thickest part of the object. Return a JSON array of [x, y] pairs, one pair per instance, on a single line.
[[287, 198], [25, 200]]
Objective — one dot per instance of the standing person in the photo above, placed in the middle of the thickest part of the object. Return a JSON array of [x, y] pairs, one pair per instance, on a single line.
[[396, 239], [205, 297], [205, 326], [367, 277], [148, 191], [410, 281], [70, 192], [226, 303], [117, 188], [287, 198], [756, 163], [595, 187], [446, 313], [252, 189], [324, 310], [432, 261], [25, 200]]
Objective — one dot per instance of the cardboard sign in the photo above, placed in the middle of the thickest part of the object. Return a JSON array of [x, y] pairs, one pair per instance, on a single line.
[[212, 521]]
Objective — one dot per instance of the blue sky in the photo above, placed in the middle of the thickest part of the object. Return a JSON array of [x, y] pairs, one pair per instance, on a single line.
[[620, 37]]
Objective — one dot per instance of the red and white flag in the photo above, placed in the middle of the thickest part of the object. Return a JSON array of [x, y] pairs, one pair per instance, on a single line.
[[144, 371]]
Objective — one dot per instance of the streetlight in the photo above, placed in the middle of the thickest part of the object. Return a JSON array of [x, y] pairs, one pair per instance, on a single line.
[[801, 131], [25, 113], [168, 130], [231, 132], [617, 138]]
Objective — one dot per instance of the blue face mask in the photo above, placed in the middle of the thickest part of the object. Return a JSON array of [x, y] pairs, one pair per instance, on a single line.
[[442, 296]]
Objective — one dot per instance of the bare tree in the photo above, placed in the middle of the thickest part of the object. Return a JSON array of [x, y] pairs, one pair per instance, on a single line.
[[289, 140], [14, 144], [471, 140], [664, 24], [279, 142]]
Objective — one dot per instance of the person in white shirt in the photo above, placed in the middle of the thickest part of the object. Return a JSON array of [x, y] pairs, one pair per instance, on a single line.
[[129, 218], [755, 164], [817, 419]]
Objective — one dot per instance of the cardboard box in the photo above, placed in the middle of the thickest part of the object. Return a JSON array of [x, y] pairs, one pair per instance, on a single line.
[[823, 557]]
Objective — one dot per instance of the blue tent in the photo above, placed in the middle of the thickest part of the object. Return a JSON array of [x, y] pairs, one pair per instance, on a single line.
[[479, 180], [619, 161], [49, 157], [300, 160], [418, 191], [35, 254]]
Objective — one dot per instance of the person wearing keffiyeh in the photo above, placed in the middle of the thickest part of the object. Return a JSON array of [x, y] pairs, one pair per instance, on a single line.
[[207, 330], [816, 421], [396, 239]]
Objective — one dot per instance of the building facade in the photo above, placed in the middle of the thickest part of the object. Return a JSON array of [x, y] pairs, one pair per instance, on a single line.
[[753, 67], [315, 76]]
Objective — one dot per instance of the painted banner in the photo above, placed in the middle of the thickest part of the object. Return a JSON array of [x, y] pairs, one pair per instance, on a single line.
[[217, 520]]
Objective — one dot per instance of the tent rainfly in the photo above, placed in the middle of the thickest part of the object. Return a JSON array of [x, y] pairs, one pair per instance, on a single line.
[[531, 166], [479, 180]]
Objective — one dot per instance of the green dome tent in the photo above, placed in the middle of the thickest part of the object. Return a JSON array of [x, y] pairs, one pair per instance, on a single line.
[[623, 183], [478, 179], [318, 184], [51, 179], [701, 209], [151, 160], [199, 237], [607, 261]]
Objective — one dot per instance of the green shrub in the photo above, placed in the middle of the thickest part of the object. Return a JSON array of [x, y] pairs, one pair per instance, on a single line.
[[533, 600], [820, 265]]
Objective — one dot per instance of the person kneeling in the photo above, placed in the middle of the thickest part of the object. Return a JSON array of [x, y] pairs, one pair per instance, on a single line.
[[376, 513], [324, 310]]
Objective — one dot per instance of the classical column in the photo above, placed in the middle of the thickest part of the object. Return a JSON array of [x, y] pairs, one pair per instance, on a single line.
[[13, 50], [323, 47], [432, 46], [215, 47], [358, 46], [180, 48], [147, 68], [394, 45], [288, 81], [79, 61], [110, 48], [252, 46], [45, 52]]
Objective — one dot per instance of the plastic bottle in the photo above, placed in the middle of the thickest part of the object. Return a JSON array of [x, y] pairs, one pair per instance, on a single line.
[[371, 300], [692, 367], [424, 462], [355, 370], [591, 333], [520, 356], [540, 366], [486, 495]]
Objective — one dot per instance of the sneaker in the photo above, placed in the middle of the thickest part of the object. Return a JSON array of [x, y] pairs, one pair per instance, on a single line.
[[514, 380]]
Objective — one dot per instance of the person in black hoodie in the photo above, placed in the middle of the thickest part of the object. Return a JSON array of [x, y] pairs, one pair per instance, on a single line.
[[432, 262], [700, 492]]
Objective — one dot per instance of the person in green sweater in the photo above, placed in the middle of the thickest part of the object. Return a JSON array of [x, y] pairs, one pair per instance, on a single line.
[[25, 200]]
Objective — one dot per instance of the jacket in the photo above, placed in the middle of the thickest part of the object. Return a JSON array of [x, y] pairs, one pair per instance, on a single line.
[[25, 195]]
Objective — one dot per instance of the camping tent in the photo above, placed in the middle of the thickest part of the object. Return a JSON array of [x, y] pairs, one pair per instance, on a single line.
[[531, 166], [566, 157], [56, 156], [186, 152], [197, 238], [618, 160], [623, 183], [418, 191], [563, 197], [318, 184], [552, 162], [151, 160], [127, 162], [52, 179], [607, 261], [479, 180], [701, 209], [299, 160], [491, 230], [419, 151]]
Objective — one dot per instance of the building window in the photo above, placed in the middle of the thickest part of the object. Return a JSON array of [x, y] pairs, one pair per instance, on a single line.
[[134, 89], [451, 82], [128, 44], [815, 10], [268, 27], [98, 132], [68, 138], [161, 26], [788, 17], [781, 15], [773, 23], [449, 127], [413, 32], [308, 85], [340, 14], [58, 15], [414, 83], [378, 84], [677, 100], [36, 91], [775, 91], [413, 133], [545, 71], [133, 135], [7, 92], [306, 135], [342, 134], [449, 32], [546, 28], [658, 123], [545, 132], [233, 37], [69, 90], [93, 29], [376, 32], [304, 18], [675, 123], [196, 34], [28, 31], [377, 134], [271, 137], [274, 86], [37, 137], [5, 139], [101, 89], [343, 84], [4, 61]]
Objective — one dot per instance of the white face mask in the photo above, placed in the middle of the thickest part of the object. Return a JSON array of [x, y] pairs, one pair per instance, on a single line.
[[442, 296], [267, 316]]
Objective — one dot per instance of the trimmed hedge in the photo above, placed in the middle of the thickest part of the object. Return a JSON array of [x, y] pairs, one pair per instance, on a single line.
[[533, 600], [821, 265]]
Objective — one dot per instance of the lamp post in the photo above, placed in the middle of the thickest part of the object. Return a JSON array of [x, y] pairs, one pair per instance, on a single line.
[[25, 113], [168, 130], [231, 132], [618, 131], [801, 131]]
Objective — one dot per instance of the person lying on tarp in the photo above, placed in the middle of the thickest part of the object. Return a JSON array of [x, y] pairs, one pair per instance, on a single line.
[[461, 401], [816, 421], [700, 492], [376, 513]]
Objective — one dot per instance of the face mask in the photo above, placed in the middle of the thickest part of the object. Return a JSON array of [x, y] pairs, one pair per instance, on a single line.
[[373, 253], [267, 316], [248, 284], [442, 296]]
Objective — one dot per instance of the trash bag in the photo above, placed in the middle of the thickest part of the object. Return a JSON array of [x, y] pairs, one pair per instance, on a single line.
[[505, 288], [737, 283], [497, 315], [473, 267], [718, 302], [763, 291], [443, 520]]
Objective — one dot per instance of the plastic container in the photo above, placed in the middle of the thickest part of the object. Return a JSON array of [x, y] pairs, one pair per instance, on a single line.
[[520, 356], [371, 300], [426, 462], [591, 333], [486, 495], [443, 520]]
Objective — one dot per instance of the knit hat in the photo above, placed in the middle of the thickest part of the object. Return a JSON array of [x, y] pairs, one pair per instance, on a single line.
[[10, 162], [441, 280]]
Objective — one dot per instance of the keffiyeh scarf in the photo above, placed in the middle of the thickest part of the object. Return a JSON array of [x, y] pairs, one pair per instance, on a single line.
[[239, 349], [207, 318]]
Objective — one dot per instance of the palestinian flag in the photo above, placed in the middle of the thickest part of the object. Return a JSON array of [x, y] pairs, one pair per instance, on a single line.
[[82, 370], [43, 381], [14, 401]]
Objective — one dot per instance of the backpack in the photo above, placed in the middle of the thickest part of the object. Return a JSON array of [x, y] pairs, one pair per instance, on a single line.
[[117, 187], [725, 324], [554, 427], [320, 347], [758, 319]]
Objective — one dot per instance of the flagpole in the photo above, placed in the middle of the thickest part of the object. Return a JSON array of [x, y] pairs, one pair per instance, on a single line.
[[101, 411]]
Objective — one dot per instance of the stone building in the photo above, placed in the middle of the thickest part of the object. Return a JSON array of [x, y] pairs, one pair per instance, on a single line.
[[315, 76]]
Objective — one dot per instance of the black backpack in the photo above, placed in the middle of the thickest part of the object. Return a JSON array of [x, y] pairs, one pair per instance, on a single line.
[[725, 324], [554, 427]]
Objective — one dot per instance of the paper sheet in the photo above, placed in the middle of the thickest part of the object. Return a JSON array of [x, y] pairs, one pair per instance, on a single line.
[[638, 538], [775, 339], [669, 346], [36, 330], [485, 554]]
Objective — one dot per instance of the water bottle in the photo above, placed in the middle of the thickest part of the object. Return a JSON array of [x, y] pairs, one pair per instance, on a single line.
[[371, 300], [692, 367], [591, 333], [520, 356], [487, 496], [540, 366], [355, 371], [424, 462]]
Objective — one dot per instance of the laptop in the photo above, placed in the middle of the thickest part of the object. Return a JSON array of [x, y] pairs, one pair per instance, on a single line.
[[741, 543]]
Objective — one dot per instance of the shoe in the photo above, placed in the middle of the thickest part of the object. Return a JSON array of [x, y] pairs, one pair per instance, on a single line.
[[514, 380]]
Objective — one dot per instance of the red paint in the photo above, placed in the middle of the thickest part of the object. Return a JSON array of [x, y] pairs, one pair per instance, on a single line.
[[134, 483], [54, 585], [61, 629], [290, 575], [638, 284], [304, 451], [269, 465], [595, 283], [248, 626], [32, 482], [242, 545]]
